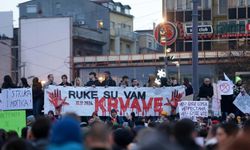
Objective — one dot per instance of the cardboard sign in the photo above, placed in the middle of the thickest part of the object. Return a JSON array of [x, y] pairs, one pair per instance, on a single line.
[[13, 120], [225, 87], [193, 109], [15, 99], [84, 101], [242, 102]]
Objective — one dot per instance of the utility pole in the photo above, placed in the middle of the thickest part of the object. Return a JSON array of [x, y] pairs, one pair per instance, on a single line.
[[195, 58]]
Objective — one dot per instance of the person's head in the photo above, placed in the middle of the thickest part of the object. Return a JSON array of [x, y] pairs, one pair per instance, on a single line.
[[94, 114], [64, 78], [164, 81], [107, 74], [125, 79], [50, 78], [12, 135], [122, 137], [151, 78], [51, 114], [18, 144], [134, 82], [24, 82], [24, 132], [30, 120], [92, 76], [238, 80], [174, 81], [184, 130], [35, 80], [78, 81], [66, 130], [225, 131], [186, 81], [207, 81], [113, 113], [7, 79], [41, 128], [98, 136]]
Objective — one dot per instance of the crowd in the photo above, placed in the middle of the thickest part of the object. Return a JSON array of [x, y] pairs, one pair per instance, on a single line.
[[165, 132]]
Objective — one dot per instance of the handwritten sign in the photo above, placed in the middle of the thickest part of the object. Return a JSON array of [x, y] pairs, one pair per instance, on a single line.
[[225, 87], [15, 99], [13, 120], [193, 109], [242, 102]]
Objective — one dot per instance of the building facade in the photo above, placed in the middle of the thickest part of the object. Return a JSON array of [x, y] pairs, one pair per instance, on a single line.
[[90, 22], [122, 37], [223, 24]]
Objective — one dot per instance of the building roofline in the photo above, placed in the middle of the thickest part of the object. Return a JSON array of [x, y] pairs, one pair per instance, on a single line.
[[120, 13]]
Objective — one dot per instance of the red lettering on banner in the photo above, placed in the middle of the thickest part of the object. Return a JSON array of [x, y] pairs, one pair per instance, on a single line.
[[112, 104], [158, 104], [135, 105], [125, 106], [100, 104], [146, 106]]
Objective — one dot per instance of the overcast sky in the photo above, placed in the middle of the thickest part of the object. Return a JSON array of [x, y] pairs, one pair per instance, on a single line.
[[145, 12]]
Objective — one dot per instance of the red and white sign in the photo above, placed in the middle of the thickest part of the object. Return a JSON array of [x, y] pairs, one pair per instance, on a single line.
[[165, 33], [84, 101], [248, 27]]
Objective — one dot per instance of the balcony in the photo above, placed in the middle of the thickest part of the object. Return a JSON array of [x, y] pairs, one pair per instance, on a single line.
[[123, 34]]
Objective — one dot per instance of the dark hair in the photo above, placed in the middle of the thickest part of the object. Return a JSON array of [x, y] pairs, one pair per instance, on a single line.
[[12, 135], [24, 82], [24, 132], [8, 83], [123, 137], [36, 84], [107, 72], [164, 81], [229, 128], [41, 128], [124, 77], [51, 112], [49, 75], [18, 144], [92, 73], [183, 130], [64, 76]]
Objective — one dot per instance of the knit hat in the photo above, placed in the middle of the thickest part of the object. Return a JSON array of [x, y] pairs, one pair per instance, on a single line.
[[66, 130], [164, 113], [237, 79]]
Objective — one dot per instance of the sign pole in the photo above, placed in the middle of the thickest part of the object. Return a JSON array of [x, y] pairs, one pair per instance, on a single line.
[[195, 49]]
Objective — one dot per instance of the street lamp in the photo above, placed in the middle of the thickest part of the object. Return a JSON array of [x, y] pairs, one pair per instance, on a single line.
[[177, 63], [167, 50]]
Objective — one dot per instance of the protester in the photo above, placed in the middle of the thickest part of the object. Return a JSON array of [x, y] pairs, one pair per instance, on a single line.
[[124, 81], [24, 83], [238, 88], [206, 90], [188, 87], [50, 81], [94, 118], [65, 81], [226, 132], [52, 116], [37, 94], [135, 83], [40, 131], [93, 80], [8, 83], [151, 81], [122, 138], [66, 135], [164, 82], [114, 118], [108, 81], [78, 82], [174, 82], [18, 144]]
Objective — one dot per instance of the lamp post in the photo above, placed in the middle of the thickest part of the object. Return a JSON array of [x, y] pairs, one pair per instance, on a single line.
[[166, 51], [177, 63], [195, 48]]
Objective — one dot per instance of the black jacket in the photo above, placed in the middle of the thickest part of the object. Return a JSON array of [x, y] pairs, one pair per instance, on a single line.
[[66, 84], [91, 83], [206, 91], [108, 82]]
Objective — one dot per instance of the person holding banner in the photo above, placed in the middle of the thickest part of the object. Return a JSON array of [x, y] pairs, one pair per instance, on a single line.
[[65, 81], [108, 80], [8, 83], [50, 81], [206, 93], [93, 80], [37, 93]]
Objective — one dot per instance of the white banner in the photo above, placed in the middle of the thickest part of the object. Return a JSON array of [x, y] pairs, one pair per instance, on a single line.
[[14, 99], [225, 87], [144, 101], [193, 109], [242, 102]]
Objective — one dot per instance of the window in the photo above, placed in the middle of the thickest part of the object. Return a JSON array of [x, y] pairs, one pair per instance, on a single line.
[[179, 4], [248, 2], [58, 5], [188, 46], [206, 15], [222, 7], [232, 13], [241, 13], [179, 16], [189, 4], [207, 45], [188, 16], [118, 8], [242, 26], [179, 45], [242, 3], [127, 11], [31, 9], [207, 4], [170, 4], [112, 24], [170, 16], [199, 4], [150, 44], [200, 46], [199, 15], [111, 6], [248, 12], [232, 3]]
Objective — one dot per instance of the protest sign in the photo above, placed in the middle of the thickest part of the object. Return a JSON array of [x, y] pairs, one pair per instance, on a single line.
[[13, 120], [84, 101], [242, 102], [216, 101], [193, 109], [225, 87], [14, 99]]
